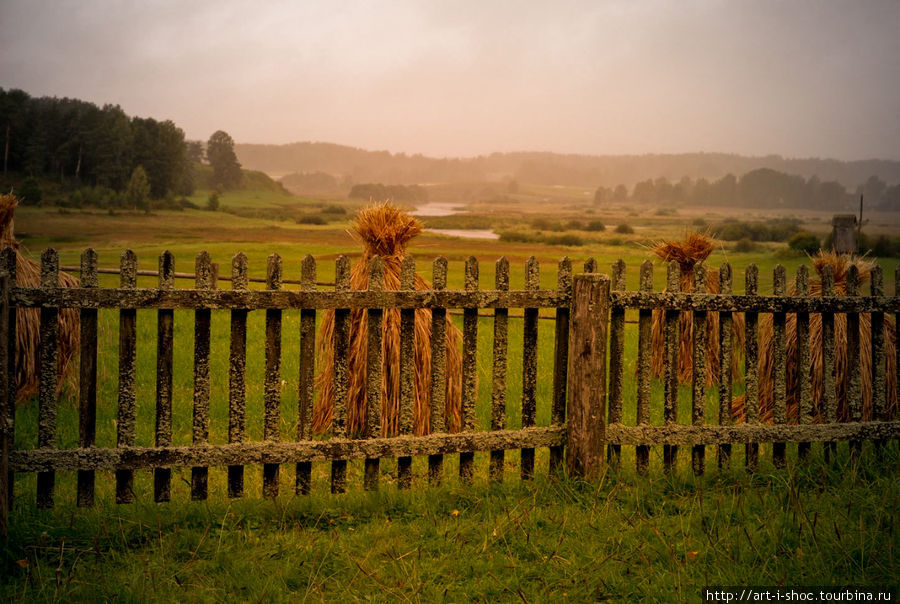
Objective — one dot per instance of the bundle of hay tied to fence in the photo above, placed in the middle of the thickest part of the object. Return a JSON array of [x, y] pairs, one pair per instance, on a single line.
[[690, 252], [385, 231], [840, 264], [28, 274]]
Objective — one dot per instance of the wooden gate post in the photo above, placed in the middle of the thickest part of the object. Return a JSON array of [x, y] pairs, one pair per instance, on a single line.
[[6, 403], [587, 375]]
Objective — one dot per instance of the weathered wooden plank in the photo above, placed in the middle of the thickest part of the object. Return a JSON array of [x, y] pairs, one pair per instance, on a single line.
[[290, 299], [616, 358], [751, 433], [779, 383], [303, 470], [587, 375], [590, 265], [237, 372], [879, 383], [272, 399], [200, 420], [896, 408], [263, 452], [9, 262], [645, 322], [469, 368], [498, 374], [438, 368], [698, 378], [560, 357], [529, 365], [48, 354], [670, 379], [341, 348], [407, 370], [751, 376], [854, 388], [726, 377], [125, 419], [373, 371], [5, 437], [87, 378], [192, 276], [165, 330], [545, 298], [804, 367], [829, 394], [133, 458]]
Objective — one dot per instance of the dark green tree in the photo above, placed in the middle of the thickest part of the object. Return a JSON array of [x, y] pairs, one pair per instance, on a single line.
[[137, 194], [220, 154]]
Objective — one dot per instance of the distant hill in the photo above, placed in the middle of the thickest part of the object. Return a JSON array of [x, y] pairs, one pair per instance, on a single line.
[[350, 165], [253, 180]]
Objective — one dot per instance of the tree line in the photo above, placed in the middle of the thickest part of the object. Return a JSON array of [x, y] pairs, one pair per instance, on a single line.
[[79, 144], [761, 188]]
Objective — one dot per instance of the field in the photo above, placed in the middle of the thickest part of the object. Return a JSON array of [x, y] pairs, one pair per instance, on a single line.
[[661, 538]]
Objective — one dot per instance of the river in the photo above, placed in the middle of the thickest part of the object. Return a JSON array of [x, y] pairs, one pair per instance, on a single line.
[[449, 209]]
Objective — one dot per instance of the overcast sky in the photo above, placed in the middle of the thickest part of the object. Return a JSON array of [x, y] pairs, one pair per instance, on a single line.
[[813, 78]]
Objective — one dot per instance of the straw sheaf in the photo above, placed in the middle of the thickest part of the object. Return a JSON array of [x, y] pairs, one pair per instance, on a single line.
[[28, 320], [385, 230], [690, 252], [840, 264]]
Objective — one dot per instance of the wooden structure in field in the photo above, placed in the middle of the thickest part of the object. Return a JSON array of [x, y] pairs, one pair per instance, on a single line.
[[584, 413]]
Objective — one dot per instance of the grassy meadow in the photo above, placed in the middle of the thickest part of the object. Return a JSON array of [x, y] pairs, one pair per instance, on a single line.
[[624, 537]]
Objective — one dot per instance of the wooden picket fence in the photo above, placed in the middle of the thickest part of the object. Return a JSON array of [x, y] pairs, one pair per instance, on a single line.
[[582, 425]]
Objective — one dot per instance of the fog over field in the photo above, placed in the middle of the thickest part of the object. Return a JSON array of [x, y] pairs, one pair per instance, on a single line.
[[799, 79]]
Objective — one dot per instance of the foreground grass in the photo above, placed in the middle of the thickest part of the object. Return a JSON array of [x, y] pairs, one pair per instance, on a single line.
[[660, 539]]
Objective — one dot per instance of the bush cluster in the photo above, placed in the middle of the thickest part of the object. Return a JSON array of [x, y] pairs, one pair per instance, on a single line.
[[779, 229]]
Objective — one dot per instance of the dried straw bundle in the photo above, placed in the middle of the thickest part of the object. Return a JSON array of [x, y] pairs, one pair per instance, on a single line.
[[840, 264], [385, 231], [28, 273], [688, 253]]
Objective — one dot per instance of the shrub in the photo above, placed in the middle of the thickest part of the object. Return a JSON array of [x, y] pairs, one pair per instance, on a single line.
[[212, 202], [624, 229], [574, 225], [595, 225], [30, 192], [545, 224], [804, 242], [699, 222], [334, 209], [567, 239], [311, 219], [745, 245]]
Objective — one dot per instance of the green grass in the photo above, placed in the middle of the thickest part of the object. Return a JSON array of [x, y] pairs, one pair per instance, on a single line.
[[625, 537]]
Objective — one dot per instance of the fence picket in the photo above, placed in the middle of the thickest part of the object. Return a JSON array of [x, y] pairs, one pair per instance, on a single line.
[[560, 357], [469, 369], [645, 323], [272, 403], [374, 372], [5, 440], [341, 371], [529, 365], [165, 329], [303, 470], [407, 369], [9, 261], [751, 377], [698, 378], [87, 378], [438, 369], [498, 374], [125, 428], [200, 422], [829, 398], [804, 368], [879, 383], [726, 377], [854, 389], [779, 384], [670, 385], [237, 372], [616, 359]]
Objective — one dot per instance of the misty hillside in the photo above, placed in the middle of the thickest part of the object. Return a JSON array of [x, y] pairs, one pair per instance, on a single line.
[[347, 165]]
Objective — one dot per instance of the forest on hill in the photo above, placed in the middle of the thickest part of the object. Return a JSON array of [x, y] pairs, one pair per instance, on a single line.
[[341, 166]]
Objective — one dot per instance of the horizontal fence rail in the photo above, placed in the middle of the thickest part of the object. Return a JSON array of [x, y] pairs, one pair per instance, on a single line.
[[682, 333]]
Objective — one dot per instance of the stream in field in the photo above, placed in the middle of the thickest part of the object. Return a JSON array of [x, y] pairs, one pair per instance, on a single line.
[[449, 209]]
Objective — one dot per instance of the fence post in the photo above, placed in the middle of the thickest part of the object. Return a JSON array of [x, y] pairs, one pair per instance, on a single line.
[[587, 375], [5, 402]]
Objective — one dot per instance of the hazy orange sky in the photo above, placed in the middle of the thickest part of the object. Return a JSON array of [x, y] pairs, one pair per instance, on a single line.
[[799, 78]]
